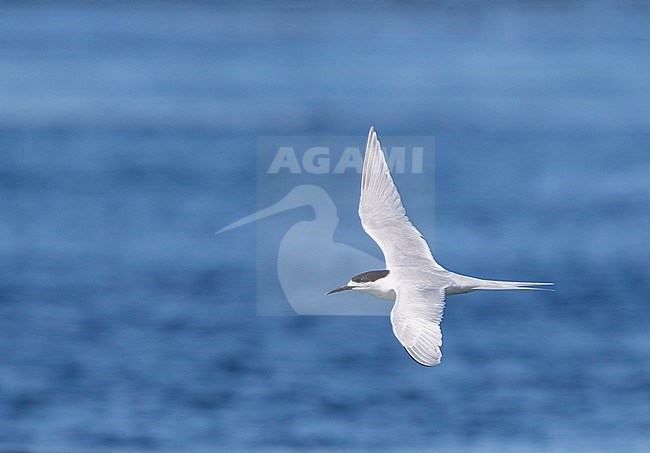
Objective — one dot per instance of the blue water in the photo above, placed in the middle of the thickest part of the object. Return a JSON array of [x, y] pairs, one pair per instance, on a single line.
[[128, 136]]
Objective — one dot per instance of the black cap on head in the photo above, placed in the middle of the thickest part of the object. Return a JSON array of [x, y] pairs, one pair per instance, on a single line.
[[370, 276]]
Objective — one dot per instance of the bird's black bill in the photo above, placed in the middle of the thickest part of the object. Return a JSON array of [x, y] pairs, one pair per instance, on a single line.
[[338, 290]]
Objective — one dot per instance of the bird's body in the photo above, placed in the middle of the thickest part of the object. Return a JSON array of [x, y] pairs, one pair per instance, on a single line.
[[412, 278]]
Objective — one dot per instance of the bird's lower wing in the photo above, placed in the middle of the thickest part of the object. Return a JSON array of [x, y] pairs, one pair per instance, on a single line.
[[416, 320], [383, 216]]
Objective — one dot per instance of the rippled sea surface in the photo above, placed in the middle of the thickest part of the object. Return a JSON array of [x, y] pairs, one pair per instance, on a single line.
[[128, 136]]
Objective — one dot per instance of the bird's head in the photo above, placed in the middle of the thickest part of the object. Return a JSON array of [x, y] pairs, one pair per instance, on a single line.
[[373, 282]]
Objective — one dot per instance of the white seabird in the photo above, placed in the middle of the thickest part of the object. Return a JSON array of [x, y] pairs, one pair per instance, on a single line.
[[412, 278]]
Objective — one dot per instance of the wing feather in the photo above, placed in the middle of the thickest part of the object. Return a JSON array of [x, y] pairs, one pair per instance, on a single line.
[[416, 320], [383, 216]]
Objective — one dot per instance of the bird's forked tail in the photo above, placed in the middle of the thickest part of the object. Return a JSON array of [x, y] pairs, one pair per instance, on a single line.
[[495, 284]]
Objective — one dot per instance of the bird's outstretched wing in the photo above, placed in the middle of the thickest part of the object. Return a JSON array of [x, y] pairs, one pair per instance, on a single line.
[[383, 215], [416, 320]]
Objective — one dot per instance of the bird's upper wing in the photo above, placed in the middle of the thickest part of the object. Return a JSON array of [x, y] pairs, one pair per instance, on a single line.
[[383, 215], [416, 320]]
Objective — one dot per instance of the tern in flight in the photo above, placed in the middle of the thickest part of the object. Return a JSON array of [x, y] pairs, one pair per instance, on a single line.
[[412, 278]]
